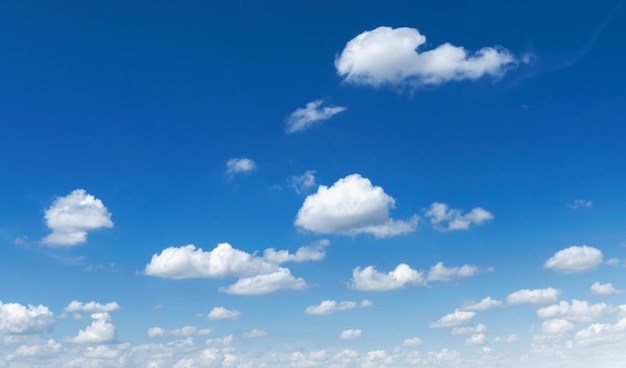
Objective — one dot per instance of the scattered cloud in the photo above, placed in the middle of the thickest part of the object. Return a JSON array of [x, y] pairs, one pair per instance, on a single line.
[[223, 313], [313, 252], [536, 296], [575, 259], [351, 334], [439, 272], [240, 165], [255, 333], [556, 326], [613, 262], [178, 332], [458, 318], [414, 341], [580, 203], [100, 331], [305, 117], [508, 339], [577, 311], [478, 329], [370, 279], [91, 307], [483, 305], [303, 182], [72, 216], [265, 283], [352, 206], [22, 320], [605, 289], [332, 306], [390, 57], [443, 218], [476, 339]]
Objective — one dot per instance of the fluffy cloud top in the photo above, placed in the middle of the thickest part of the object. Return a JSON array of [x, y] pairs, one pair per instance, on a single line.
[[458, 318], [556, 326], [577, 311], [266, 283], [91, 307], [223, 313], [390, 56], [372, 280], [314, 252], [536, 296], [439, 272], [440, 215], [240, 165], [18, 319], [178, 332], [605, 289], [100, 331], [72, 216], [575, 259], [332, 306], [351, 206], [350, 334], [305, 117]]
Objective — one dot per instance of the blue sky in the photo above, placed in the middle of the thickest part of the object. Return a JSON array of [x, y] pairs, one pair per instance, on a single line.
[[312, 184]]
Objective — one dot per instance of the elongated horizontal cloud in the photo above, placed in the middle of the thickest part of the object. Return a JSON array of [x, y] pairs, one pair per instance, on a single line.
[[313, 252], [305, 117], [536, 296], [458, 318], [177, 332], [265, 283], [100, 331], [483, 305], [223, 313], [332, 306], [351, 334], [575, 259], [91, 307], [352, 206], [605, 289], [444, 218], [478, 329], [72, 216], [370, 279], [391, 56], [439, 272], [576, 311], [255, 333], [18, 319]]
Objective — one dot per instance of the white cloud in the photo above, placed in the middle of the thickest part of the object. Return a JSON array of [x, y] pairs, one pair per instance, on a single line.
[[388, 56], [440, 215], [483, 305], [605, 289], [255, 333], [508, 339], [577, 311], [458, 318], [476, 339], [371, 280], [439, 272], [478, 329], [613, 262], [18, 319], [313, 252], [178, 332], [556, 326], [100, 331], [265, 283], [223, 313], [46, 349], [351, 334], [575, 259], [240, 165], [303, 182], [352, 206], [72, 216], [91, 307], [580, 203], [414, 341], [332, 306], [536, 296], [227, 340], [305, 117]]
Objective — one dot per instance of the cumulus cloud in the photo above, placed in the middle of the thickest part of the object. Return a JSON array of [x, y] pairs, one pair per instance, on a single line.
[[239, 165], [390, 56], [351, 334], [605, 289], [580, 203], [444, 218], [20, 320], [303, 182], [265, 283], [476, 339], [305, 117], [313, 252], [439, 272], [370, 279], [223, 313], [483, 305], [575, 259], [255, 333], [478, 329], [414, 341], [458, 318], [177, 332], [40, 350], [556, 326], [576, 311], [100, 331], [352, 206], [72, 216], [332, 306], [536, 296], [91, 307]]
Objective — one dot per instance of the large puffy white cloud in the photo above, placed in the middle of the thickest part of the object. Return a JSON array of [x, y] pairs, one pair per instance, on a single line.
[[575, 259], [535, 296], [72, 216], [18, 319], [576, 311], [605, 289], [223, 313], [370, 279], [305, 117], [100, 331], [444, 218], [458, 318], [352, 206], [439, 272], [266, 283], [390, 56], [332, 306], [91, 307], [313, 252]]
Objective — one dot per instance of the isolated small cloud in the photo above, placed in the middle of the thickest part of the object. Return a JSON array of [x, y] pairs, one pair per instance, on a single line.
[[507, 339], [439, 272], [444, 218], [313, 252], [352, 206], [575, 259], [223, 313], [476, 339], [24, 320], [240, 165], [332, 306], [392, 56], [72, 216], [536, 296], [100, 331], [303, 182], [369, 279], [483, 305], [478, 329], [91, 307], [605, 289], [458, 318], [255, 333], [351, 334], [177, 332], [414, 341], [613, 262], [580, 203], [313, 113], [265, 283]]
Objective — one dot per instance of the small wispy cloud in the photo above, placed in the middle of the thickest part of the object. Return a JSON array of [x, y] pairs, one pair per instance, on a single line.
[[240, 165], [305, 117], [580, 203]]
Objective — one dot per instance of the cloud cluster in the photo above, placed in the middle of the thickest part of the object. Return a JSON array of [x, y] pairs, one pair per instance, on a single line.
[[18, 319], [444, 218], [305, 117], [72, 216], [391, 56]]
